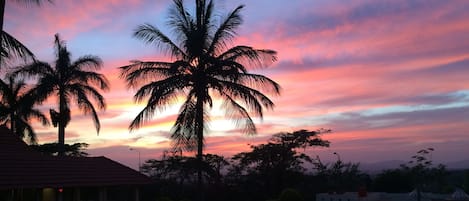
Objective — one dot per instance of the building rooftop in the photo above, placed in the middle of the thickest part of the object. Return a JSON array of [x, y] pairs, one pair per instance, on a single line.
[[22, 167]]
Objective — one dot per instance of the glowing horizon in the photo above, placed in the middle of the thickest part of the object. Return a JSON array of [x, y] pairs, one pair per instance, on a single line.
[[388, 77]]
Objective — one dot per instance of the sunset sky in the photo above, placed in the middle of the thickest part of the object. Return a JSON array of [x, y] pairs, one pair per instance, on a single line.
[[389, 77]]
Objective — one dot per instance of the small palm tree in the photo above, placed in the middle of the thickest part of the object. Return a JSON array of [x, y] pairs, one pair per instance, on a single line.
[[17, 108], [69, 81], [204, 67]]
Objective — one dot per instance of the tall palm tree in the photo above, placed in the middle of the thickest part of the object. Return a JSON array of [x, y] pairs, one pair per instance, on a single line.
[[17, 108], [69, 81], [204, 66]]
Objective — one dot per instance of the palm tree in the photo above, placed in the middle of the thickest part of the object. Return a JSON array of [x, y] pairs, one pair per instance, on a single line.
[[10, 47], [17, 108], [2, 7], [204, 67], [69, 81]]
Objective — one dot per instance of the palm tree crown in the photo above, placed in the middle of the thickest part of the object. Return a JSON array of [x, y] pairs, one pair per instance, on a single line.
[[204, 67], [69, 81], [17, 108]]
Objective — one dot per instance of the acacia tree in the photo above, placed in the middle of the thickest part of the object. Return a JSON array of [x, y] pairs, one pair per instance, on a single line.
[[274, 160], [423, 173], [69, 81], [204, 67]]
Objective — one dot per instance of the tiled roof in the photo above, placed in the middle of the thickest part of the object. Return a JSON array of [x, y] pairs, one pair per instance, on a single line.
[[21, 167]]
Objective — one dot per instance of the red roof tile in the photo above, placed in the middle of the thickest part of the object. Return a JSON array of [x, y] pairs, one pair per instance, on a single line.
[[21, 167]]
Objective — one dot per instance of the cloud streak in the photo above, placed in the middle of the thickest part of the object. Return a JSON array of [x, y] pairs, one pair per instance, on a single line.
[[388, 77]]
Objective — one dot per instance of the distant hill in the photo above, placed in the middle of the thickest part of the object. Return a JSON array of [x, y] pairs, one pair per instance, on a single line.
[[377, 167], [457, 165]]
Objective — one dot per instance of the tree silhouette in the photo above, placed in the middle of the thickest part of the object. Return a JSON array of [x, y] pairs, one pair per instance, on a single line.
[[75, 150], [204, 67], [17, 108], [69, 81], [422, 171], [277, 159], [10, 47]]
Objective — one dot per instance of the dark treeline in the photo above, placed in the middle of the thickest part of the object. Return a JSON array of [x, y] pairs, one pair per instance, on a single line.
[[281, 170]]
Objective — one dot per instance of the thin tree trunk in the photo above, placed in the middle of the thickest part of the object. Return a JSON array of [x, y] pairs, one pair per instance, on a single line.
[[13, 108], [2, 14], [200, 135], [61, 144]]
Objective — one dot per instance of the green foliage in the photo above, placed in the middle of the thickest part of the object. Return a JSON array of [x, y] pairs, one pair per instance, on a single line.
[[290, 194]]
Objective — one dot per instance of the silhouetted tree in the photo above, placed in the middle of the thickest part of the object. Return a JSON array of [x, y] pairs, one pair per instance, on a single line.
[[3, 2], [183, 169], [340, 176], [76, 149], [204, 66], [69, 81], [17, 108], [10, 47], [423, 173], [279, 158], [393, 181]]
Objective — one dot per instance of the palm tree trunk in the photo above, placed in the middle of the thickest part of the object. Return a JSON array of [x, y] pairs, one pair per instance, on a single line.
[[61, 144], [200, 135], [13, 108], [2, 13]]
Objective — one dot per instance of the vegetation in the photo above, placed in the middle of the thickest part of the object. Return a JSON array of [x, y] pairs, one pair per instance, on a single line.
[[17, 108], [204, 67], [68, 81], [52, 149], [10, 48]]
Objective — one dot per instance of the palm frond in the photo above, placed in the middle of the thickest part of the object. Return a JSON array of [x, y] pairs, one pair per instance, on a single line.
[[143, 72], [153, 35], [85, 105], [183, 130], [238, 114], [91, 78], [11, 48], [226, 31], [88, 62], [249, 56], [36, 2], [35, 69]]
